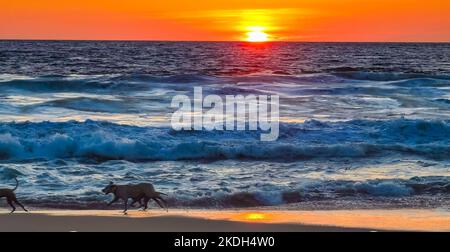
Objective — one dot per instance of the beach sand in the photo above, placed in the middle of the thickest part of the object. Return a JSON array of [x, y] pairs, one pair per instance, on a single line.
[[248, 220]]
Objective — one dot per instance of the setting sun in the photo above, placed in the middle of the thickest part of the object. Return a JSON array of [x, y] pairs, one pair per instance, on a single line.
[[257, 36]]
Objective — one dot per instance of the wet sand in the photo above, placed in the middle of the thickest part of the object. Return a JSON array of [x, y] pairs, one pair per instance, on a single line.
[[248, 220]]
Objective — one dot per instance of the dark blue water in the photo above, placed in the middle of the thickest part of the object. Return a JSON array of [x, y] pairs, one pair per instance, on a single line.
[[360, 124]]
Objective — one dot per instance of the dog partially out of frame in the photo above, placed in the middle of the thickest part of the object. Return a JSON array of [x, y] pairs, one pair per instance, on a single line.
[[11, 197], [138, 192]]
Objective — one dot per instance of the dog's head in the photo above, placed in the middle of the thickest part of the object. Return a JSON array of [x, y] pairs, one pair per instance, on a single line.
[[111, 188]]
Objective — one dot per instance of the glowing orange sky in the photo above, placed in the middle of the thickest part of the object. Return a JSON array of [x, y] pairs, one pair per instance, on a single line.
[[285, 20]]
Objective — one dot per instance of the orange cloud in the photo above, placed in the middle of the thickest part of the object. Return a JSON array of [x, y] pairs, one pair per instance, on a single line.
[[307, 20]]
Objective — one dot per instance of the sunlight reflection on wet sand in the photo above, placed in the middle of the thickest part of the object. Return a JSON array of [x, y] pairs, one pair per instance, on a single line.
[[399, 219]]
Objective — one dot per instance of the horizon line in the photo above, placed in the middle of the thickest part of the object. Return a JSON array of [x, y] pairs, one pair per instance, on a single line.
[[228, 41]]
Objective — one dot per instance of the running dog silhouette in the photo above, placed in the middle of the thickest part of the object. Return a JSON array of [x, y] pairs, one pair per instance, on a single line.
[[138, 192], [11, 197]]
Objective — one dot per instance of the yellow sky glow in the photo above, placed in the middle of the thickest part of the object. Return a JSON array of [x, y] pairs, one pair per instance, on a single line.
[[219, 20]]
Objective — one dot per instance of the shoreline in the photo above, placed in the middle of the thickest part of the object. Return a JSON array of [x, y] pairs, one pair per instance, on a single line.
[[242, 220]]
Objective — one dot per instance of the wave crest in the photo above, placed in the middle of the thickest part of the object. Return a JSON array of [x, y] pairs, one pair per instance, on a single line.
[[312, 139]]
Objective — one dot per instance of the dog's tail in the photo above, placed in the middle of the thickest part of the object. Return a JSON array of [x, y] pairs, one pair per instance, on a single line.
[[17, 184]]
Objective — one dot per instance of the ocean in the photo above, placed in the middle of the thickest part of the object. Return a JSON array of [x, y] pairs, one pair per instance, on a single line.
[[362, 125]]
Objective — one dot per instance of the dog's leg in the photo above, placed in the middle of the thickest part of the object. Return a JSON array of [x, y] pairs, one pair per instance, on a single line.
[[157, 202], [146, 200], [126, 207], [18, 203], [11, 204], [137, 199], [160, 204], [165, 203]]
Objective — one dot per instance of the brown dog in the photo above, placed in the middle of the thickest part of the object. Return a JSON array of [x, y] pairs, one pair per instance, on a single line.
[[137, 192], [11, 197]]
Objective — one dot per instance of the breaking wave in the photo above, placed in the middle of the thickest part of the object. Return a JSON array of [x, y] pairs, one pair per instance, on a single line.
[[312, 139]]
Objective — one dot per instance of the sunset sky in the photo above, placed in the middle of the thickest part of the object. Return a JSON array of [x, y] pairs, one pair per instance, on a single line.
[[206, 20]]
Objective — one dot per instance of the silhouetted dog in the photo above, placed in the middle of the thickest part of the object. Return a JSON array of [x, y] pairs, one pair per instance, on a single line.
[[137, 192], [11, 197]]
